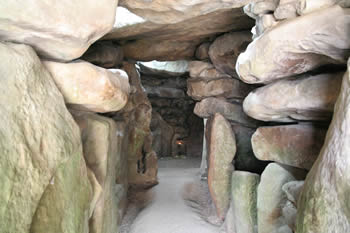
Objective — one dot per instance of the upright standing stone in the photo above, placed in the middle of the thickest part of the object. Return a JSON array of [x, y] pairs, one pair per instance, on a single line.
[[222, 150], [102, 146], [204, 162], [243, 203], [43, 176], [271, 197], [324, 203]]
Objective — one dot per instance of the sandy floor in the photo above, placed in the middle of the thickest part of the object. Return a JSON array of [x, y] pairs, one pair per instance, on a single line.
[[168, 212]]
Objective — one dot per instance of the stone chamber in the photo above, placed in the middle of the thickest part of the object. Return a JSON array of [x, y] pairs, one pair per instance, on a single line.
[[97, 96]]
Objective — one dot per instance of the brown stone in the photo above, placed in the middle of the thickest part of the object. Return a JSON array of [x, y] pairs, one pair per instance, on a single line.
[[202, 52], [165, 50], [142, 160], [225, 49], [199, 89], [104, 54], [293, 145], [205, 71], [231, 111], [221, 151]]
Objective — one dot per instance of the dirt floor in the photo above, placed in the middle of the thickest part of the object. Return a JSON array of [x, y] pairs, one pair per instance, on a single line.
[[179, 204]]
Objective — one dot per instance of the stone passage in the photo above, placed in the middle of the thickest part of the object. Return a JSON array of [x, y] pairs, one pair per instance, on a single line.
[[168, 211]]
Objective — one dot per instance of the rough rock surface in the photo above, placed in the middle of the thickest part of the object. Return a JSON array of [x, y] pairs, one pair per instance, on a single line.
[[102, 144], [43, 176], [243, 203], [205, 71], [202, 51], [231, 111], [104, 54], [181, 22], [54, 29], [304, 43], [293, 145], [308, 6], [263, 22], [225, 49], [260, 7], [162, 135], [164, 50], [88, 87], [307, 98], [142, 160], [286, 9], [245, 159], [271, 197], [199, 89], [324, 202], [221, 151]]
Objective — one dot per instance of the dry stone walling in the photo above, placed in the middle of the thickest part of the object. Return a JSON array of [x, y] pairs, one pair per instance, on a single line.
[[303, 65]]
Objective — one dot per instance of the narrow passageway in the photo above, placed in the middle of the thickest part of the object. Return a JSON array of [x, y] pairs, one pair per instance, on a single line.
[[168, 213]]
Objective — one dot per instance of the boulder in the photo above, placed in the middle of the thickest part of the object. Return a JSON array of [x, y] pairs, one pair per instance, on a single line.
[[88, 87], [45, 187], [221, 151], [49, 27], [231, 111], [324, 202], [293, 145], [202, 51], [205, 71], [104, 54], [264, 22], [271, 197], [225, 49], [286, 9], [260, 7], [243, 206], [102, 144], [307, 98], [308, 6], [200, 89], [304, 43]]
